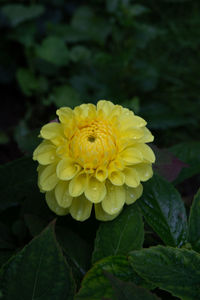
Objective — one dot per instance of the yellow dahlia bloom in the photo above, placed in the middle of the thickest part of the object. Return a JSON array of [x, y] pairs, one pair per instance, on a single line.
[[95, 155]]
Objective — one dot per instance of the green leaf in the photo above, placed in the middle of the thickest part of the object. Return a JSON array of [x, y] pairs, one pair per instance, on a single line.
[[121, 235], [194, 223], [18, 13], [188, 152], [164, 211], [89, 26], [25, 34], [18, 181], [112, 5], [80, 54], [64, 95], [71, 244], [128, 290], [95, 285], [4, 138], [138, 9], [29, 83], [4, 257], [39, 271], [53, 50], [174, 270], [26, 139]]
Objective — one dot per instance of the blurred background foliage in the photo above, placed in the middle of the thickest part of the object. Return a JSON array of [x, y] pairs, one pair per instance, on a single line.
[[141, 54]]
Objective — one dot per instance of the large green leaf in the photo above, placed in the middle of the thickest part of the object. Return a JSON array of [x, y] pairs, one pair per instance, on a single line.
[[129, 290], [194, 223], [96, 285], [18, 181], [188, 152], [4, 256], [18, 13], [164, 211], [121, 235], [171, 269], [53, 50], [39, 271]]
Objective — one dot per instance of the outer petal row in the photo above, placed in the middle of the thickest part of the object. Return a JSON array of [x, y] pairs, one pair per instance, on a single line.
[[80, 207], [45, 153]]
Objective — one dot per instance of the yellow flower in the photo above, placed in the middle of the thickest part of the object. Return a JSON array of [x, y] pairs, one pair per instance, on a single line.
[[94, 155]]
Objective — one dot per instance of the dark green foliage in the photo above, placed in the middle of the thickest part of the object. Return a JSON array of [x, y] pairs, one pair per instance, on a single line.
[[164, 211], [18, 181], [69, 53], [96, 285], [39, 271], [174, 270], [127, 232], [194, 223], [128, 290]]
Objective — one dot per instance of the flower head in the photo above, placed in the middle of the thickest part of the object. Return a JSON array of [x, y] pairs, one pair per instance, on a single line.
[[94, 155]]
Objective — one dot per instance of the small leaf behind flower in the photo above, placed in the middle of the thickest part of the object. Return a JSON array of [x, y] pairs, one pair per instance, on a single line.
[[167, 164], [121, 235], [189, 153]]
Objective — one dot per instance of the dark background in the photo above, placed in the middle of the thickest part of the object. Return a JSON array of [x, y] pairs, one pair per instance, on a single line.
[[142, 54]]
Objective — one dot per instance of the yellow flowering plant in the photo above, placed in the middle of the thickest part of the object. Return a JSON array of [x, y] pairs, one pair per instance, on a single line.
[[98, 157], [94, 156]]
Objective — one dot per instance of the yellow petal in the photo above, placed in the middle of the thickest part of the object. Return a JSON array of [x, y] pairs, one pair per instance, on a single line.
[[101, 173], [62, 194], [53, 205], [131, 177], [77, 185], [105, 106], [95, 190], [47, 178], [80, 208], [65, 114], [132, 194], [131, 156], [85, 111], [116, 177], [51, 130], [146, 152], [114, 199], [101, 215], [133, 133], [144, 171], [67, 169], [116, 164], [45, 153], [147, 137], [127, 121]]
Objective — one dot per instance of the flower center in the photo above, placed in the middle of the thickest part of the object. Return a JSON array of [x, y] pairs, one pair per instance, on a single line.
[[93, 145]]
